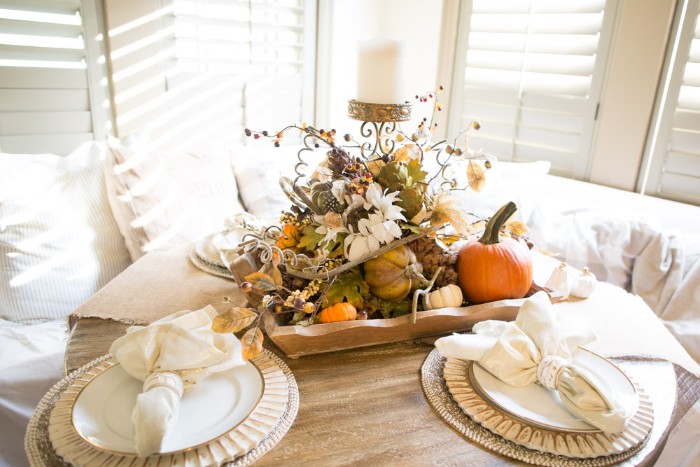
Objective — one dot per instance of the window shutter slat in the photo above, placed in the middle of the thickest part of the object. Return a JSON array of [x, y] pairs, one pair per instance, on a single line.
[[34, 100], [683, 163]]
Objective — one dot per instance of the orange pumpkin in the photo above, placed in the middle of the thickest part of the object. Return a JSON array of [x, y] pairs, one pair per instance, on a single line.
[[494, 268], [338, 312]]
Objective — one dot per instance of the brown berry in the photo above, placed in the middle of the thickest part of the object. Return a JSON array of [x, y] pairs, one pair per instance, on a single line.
[[246, 287], [361, 314]]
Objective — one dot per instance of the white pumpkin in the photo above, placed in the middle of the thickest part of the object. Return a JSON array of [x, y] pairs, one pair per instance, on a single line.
[[584, 284], [561, 280], [444, 297]]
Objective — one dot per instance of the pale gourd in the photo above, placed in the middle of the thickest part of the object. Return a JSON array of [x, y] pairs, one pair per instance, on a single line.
[[584, 284], [561, 280], [444, 297]]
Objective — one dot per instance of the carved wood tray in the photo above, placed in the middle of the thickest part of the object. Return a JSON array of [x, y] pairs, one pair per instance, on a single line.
[[297, 341]]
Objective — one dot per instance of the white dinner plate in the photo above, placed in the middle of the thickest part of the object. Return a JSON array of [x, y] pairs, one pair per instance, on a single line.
[[102, 411], [235, 415], [535, 418], [541, 406]]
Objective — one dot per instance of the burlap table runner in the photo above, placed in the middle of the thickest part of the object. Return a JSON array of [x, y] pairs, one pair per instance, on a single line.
[[157, 284]]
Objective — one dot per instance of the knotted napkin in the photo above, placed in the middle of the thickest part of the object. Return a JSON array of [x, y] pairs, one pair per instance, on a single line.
[[170, 356], [537, 347]]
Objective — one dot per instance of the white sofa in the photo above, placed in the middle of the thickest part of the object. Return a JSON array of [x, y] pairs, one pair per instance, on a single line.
[[70, 224]]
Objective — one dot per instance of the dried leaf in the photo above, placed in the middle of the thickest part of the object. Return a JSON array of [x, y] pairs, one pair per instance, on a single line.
[[233, 320], [252, 343], [475, 176], [273, 271], [310, 239], [447, 208], [262, 281], [517, 228], [402, 155], [349, 285], [375, 166], [415, 171]]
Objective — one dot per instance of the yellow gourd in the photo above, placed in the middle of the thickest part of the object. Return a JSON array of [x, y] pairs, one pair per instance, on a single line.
[[391, 275]]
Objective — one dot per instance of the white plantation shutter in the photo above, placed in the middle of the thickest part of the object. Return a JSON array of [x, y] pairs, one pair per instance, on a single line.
[[236, 44], [531, 78], [48, 58], [674, 170]]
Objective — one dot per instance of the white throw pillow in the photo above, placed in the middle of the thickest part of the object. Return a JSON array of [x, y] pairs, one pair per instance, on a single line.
[[258, 170], [164, 199], [59, 243]]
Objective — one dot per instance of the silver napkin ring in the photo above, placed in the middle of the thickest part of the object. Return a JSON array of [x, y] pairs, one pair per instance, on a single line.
[[168, 379], [549, 370]]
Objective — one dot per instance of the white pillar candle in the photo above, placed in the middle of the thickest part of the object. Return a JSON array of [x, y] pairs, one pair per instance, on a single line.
[[381, 71]]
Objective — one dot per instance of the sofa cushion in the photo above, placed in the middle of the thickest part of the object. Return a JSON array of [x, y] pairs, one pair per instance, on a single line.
[[258, 170], [59, 243], [164, 199]]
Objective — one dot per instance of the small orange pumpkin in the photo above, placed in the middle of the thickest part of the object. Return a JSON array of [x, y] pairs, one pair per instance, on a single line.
[[339, 312], [494, 269]]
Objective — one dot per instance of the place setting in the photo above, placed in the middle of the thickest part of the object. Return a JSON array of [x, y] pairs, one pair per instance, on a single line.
[[527, 390], [169, 393]]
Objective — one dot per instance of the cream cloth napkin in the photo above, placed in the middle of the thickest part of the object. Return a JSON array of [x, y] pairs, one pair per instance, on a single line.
[[170, 356], [537, 348]]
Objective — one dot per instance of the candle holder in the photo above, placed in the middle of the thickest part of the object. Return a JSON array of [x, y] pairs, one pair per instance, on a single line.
[[368, 112], [378, 121]]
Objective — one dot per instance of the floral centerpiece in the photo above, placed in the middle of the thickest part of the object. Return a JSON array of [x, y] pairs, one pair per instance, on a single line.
[[370, 230]]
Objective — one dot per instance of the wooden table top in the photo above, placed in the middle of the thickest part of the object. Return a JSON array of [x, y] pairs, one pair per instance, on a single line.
[[356, 406], [364, 406]]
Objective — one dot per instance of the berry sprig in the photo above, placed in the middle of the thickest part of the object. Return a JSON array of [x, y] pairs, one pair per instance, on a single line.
[[430, 94], [320, 136]]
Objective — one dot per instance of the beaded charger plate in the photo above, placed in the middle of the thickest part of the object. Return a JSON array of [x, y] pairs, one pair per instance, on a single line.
[[527, 428], [234, 418]]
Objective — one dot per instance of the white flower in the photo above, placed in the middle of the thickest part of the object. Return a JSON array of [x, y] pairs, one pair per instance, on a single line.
[[373, 232], [331, 226], [385, 203], [338, 191], [379, 227]]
